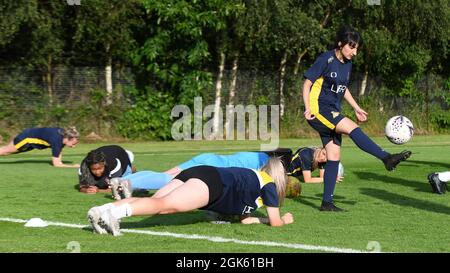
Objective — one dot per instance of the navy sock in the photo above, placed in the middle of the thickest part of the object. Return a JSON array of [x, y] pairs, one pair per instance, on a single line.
[[366, 144], [329, 180]]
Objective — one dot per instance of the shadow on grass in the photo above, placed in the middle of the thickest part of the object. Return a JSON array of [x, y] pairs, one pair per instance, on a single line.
[[405, 201], [177, 219], [315, 202], [420, 186], [187, 218], [431, 165], [47, 162]]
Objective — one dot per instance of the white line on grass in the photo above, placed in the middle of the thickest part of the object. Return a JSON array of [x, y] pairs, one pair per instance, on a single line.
[[209, 238]]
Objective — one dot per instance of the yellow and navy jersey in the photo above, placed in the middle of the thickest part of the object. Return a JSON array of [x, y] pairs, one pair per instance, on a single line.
[[302, 160], [244, 190], [40, 138], [330, 79]]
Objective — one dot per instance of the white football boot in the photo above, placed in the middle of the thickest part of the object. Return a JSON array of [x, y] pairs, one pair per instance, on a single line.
[[110, 223], [93, 216]]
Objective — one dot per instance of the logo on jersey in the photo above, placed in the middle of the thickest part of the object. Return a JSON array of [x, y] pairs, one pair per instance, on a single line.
[[334, 114], [248, 210], [330, 59], [338, 89]]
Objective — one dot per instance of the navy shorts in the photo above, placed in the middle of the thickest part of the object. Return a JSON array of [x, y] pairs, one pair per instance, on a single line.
[[325, 123], [209, 175], [22, 142]]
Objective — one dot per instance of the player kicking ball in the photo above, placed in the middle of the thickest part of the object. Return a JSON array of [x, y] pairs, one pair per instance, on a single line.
[[324, 88]]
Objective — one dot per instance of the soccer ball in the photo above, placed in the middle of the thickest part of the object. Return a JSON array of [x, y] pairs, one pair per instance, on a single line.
[[399, 130], [293, 187]]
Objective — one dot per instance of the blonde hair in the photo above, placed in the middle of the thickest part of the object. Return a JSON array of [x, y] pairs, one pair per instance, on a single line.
[[275, 169], [317, 150], [70, 132]]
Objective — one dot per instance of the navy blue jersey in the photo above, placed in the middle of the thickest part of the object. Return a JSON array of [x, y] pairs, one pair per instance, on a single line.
[[330, 79], [40, 138], [285, 155], [117, 162], [302, 160], [244, 190]]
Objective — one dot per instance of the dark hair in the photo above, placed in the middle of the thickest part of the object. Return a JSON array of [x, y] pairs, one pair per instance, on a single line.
[[347, 35], [94, 157]]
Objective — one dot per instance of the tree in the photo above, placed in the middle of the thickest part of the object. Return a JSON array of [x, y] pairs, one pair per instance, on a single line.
[[14, 15], [105, 31], [177, 51]]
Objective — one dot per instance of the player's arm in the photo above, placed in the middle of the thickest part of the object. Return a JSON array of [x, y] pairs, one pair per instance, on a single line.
[[57, 162], [88, 189], [247, 219], [307, 177], [306, 90], [273, 218], [361, 115]]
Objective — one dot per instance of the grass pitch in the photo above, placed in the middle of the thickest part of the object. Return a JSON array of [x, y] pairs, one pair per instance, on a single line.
[[396, 210]]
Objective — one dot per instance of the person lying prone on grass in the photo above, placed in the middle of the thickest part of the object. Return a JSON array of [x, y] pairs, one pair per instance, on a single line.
[[232, 191], [103, 164]]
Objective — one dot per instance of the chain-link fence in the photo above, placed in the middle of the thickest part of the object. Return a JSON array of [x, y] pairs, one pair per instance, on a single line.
[[30, 98]]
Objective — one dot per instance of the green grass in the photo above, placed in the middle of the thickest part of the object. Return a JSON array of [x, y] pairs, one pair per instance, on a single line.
[[396, 209]]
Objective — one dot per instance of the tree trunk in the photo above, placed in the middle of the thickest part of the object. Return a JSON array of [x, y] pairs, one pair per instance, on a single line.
[[231, 99], [282, 75], [427, 102], [48, 80], [299, 59], [108, 81], [218, 96], [362, 89]]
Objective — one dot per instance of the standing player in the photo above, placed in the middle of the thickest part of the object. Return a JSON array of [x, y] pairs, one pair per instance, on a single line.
[[101, 165], [323, 89], [232, 191], [43, 138]]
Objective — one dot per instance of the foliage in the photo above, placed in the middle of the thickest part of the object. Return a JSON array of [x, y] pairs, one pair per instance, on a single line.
[[149, 117], [173, 47]]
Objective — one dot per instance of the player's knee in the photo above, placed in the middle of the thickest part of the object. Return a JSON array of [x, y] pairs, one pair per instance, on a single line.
[[346, 126]]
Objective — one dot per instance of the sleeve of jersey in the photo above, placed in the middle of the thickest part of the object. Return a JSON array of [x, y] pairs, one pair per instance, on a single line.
[[316, 70], [56, 149], [118, 169], [269, 195], [306, 163]]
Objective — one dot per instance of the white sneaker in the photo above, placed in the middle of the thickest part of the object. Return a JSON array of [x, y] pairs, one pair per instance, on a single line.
[[119, 187], [114, 183], [110, 223], [93, 216], [125, 185]]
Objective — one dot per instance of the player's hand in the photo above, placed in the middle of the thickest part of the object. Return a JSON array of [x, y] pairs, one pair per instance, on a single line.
[[92, 190], [288, 218], [361, 115], [308, 115], [340, 179]]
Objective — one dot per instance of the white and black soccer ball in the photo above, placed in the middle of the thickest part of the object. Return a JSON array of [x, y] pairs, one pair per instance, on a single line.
[[399, 130]]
